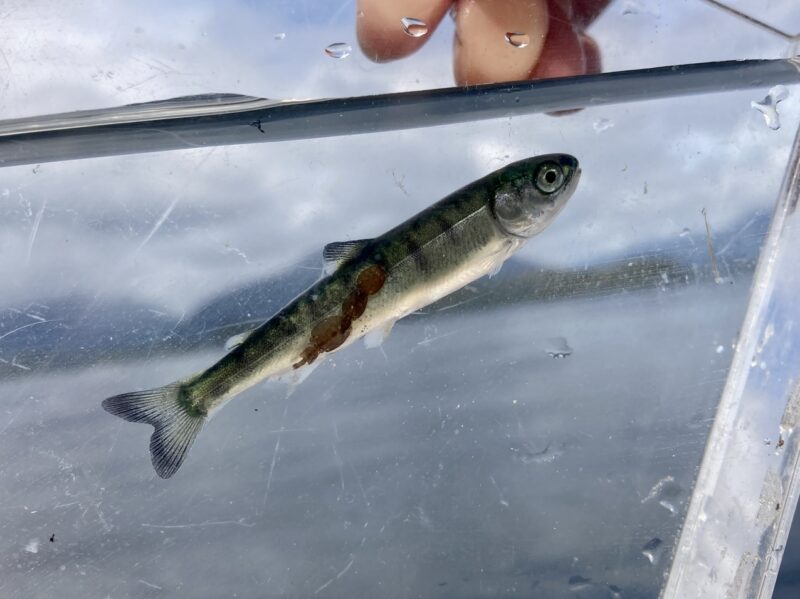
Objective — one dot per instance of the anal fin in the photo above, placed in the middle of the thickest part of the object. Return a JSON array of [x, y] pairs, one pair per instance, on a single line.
[[376, 336], [295, 377]]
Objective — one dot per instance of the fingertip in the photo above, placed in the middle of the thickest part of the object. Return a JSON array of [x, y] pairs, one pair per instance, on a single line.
[[380, 30], [485, 52]]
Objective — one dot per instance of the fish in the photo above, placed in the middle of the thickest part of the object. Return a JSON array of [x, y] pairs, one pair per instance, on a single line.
[[366, 286]]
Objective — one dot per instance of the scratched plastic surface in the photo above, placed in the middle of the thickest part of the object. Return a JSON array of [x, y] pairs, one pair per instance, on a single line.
[[537, 434]]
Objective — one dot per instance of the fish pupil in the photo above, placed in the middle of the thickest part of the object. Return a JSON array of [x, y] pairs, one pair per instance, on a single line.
[[550, 176]]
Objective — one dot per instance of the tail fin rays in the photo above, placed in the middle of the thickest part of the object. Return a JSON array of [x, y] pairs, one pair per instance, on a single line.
[[175, 426]]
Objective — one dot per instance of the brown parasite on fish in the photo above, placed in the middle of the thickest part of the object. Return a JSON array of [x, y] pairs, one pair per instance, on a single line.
[[367, 285]]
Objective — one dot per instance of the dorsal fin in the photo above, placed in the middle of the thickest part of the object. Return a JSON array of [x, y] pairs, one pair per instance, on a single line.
[[337, 252]]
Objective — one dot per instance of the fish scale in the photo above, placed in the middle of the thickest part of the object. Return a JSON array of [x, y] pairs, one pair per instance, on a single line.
[[370, 285]]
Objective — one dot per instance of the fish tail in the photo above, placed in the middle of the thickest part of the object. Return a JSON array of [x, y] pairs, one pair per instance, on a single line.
[[175, 420]]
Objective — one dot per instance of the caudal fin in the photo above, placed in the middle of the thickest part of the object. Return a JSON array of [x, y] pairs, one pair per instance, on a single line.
[[175, 426]]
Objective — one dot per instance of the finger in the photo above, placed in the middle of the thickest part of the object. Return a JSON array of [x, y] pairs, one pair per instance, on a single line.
[[566, 53], [482, 54], [563, 54], [380, 30], [591, 54], [586, 11]]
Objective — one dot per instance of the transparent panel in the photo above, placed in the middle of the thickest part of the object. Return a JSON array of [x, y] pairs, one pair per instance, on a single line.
[[537, 433]]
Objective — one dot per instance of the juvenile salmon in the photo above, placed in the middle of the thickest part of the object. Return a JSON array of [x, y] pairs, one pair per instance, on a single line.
[[366, 287]]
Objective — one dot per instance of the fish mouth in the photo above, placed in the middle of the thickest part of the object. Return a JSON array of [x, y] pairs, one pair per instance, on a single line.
[[569, 161], [572, 183], [571, 167]]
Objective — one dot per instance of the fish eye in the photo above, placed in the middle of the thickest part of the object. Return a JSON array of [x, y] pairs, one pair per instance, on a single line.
[[549, 178]]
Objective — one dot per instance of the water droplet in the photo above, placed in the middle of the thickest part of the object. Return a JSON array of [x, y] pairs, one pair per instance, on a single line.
[[578, 583], [339, 50], [669, 506], [653, 549], [558, 348], [527, 454], [631, 7], [686, 231], [769, 106], [32, 546], [602, 125], [667, 492], [518, 40], [414, 27], [720, 349], [280, 36]]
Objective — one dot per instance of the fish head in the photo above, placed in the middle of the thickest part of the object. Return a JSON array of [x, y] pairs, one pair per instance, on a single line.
[[530, 193]]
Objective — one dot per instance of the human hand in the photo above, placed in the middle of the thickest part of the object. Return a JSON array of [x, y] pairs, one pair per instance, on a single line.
[[556, 43]]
